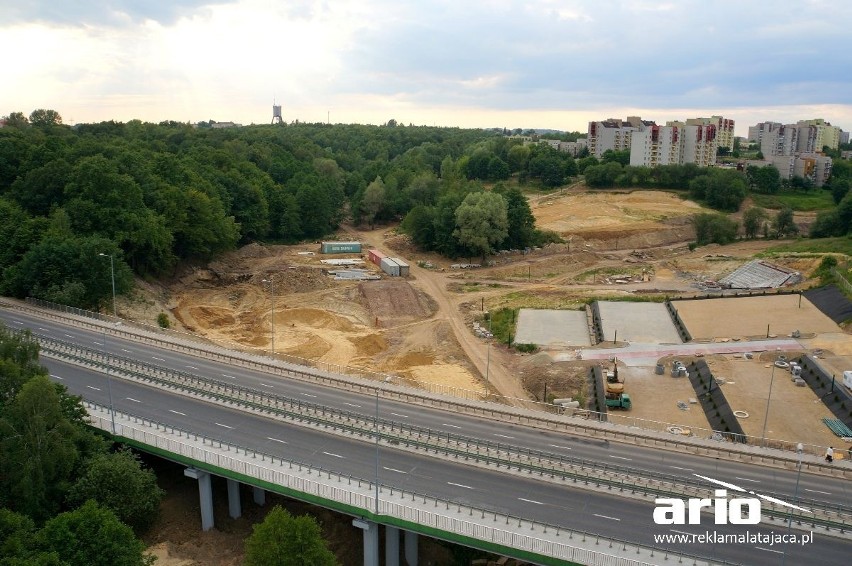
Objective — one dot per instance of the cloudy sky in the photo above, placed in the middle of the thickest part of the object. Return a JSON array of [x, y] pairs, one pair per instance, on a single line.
[[468, 63]]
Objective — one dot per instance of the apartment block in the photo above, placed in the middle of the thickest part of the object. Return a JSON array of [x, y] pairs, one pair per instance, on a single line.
[[756, 132], [614, 134], [816, 134], [778, 139], [676, 143], [813, 166], [724, 129]]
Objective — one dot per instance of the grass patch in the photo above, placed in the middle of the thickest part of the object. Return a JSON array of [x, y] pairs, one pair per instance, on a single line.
[[841, 245], [816, 199], [502, 324]]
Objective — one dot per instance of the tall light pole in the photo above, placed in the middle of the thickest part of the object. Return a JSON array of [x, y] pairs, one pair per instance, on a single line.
[[271, 282], [769, 397], [109, 379], [112, 272], [799, 450]]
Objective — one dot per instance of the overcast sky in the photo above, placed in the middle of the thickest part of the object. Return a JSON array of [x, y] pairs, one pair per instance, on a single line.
[[469, 63]]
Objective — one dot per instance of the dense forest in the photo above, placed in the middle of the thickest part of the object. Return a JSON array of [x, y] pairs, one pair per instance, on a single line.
[[150, 196]]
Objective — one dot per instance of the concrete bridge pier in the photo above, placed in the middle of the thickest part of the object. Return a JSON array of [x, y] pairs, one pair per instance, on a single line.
[[205, 496], [391, 546], [371, 541], [411, 539], [259, 495], [234, 508]]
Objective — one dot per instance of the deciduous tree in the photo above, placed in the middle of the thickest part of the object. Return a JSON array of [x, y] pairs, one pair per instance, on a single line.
[[284, 540]]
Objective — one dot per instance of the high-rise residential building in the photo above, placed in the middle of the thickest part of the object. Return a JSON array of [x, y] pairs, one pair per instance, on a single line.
[[724, 129], [816, 134], [614, 134], [756, 132], [813, 166], [779, 139], [844, 137], [676, 143]]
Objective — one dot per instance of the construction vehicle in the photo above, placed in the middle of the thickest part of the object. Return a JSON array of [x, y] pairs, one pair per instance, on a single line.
[[616, 398]]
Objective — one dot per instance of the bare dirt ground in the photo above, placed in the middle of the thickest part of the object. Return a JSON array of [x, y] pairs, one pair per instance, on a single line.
[[420, 328]]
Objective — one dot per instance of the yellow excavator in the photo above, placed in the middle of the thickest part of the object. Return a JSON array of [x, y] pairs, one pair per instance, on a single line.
[[616, 398]]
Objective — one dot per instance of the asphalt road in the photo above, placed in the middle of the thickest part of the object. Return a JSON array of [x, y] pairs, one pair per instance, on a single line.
[[606, 514]]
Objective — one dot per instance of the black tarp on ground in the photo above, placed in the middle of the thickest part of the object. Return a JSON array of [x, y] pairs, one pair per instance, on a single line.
[[831, 301]]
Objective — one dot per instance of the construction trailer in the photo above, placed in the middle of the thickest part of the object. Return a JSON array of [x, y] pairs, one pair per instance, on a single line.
[[340, 247]]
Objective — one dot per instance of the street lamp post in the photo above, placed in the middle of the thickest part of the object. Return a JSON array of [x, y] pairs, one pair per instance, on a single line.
[[799, 450], [271, 282], [106, 352], [768, 398]]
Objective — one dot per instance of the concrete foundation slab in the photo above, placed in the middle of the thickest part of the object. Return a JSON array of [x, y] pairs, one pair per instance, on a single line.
[[645, 323], [552, 328]]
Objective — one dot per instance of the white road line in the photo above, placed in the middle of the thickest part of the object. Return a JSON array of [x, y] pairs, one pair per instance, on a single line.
[[56, 377], [398, 415], [684, 469], [680, 532], [352, 405], [223, 425], [530, 501], [265, 385], [769, 550], [747, 479], [192, 367], [330, 454], [309, 395], [97, 343], [95, 388], [276, 440], [394, 470], [450, 425], [818, 491], [69, 336], [557, 446], [132, 399], [158, 359], [42, 329], [126, 350], [459, 485], [19, 322], [606, 517], [177, 412], [229, 376], [620, 457], [504, 436]]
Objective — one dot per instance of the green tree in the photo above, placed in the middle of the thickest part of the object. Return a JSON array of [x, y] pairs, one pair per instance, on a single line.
[[521, 222], [119, 482], [94, 536], [284, 540], [374, 200], [481, 222], [714, 228], [753, 219], [783, 224], [42, 118]]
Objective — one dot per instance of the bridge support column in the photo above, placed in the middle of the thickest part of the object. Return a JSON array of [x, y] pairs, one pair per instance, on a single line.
[[234, 508], [259, 495], [205, 496], [371, 541], [391, 546], [411, 548]]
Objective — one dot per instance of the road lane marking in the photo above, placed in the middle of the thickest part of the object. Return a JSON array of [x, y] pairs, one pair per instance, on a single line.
[[309, 395], [125, 350], [818, 491], [398, 415], [177, 412], [97, 343], [684, 469], [352, 405], [158, 359], [620, 457], [746, 479], [530, 501], [276, 440], [394, 470], [330, 454], [450, 425], [132, 399], [557, 446], [769, 550], [459, 485], [192, 367], [606, 517], [265, 385], [229, 376], [504, 436], [56, 377], [223, 425], [19, 322], [69, 336], [95, 388], [42, 329]]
